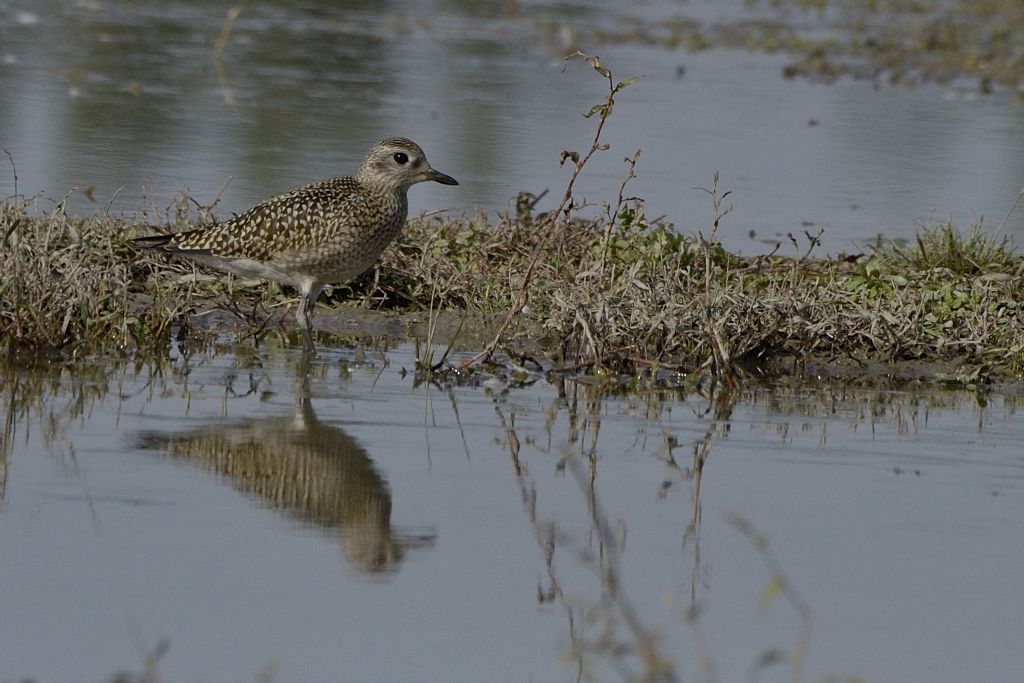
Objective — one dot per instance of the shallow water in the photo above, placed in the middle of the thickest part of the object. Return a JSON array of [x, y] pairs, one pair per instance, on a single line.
[[125, 103], [352, 526]]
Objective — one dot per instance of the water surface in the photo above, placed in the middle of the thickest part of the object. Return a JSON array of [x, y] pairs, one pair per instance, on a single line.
[[125, 103], [352, 526]]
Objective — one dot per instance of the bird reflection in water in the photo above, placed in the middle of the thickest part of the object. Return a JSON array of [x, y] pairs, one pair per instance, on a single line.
[[309, 470]]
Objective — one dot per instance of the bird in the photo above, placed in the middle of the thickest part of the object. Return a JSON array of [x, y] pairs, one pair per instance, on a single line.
[[324, 233]]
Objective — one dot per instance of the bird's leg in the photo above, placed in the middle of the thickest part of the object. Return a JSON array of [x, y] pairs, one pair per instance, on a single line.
[[304, 315]]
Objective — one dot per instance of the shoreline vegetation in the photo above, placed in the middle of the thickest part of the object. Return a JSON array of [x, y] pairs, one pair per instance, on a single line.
[[614, 296], [973, 44]]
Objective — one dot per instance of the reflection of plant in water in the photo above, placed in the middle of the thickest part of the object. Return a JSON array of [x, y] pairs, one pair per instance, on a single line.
[[879, 401], [48, 398], [779, 585], [609, 631], [639, 647]]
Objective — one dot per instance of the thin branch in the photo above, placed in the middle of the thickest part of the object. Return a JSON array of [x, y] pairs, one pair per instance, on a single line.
[[547, 228]]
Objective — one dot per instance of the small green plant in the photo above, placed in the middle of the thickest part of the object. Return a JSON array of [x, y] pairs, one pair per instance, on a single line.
[[943, 246]]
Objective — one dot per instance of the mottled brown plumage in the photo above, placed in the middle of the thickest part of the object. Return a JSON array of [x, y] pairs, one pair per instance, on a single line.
[[325, 233], [307, 469]]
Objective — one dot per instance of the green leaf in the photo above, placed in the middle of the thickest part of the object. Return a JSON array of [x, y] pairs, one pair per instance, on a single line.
[[627, 82]]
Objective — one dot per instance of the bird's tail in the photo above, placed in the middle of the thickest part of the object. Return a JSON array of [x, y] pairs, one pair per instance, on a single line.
[[153, 241], [168, 244]]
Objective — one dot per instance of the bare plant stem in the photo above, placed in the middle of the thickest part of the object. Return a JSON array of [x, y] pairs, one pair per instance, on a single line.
[[797, 658], [631, 162], [547, 228], [999, 230], [721, 357], [544, 535], [657, 669]]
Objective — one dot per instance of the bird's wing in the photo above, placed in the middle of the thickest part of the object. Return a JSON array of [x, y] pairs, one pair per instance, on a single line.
[[294, 220]]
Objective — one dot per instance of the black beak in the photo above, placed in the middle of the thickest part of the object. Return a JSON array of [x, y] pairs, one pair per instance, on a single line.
[[439, 177]]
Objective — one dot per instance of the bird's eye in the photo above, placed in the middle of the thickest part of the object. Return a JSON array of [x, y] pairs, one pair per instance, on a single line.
[[401, 158]]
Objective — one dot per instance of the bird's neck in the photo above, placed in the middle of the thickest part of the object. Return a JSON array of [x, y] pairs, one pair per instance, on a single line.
[[385, 191]]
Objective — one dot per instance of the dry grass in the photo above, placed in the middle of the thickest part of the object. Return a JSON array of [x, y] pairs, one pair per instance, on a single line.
[[67, 285], [624, 294], [77, 285], [611, 294]]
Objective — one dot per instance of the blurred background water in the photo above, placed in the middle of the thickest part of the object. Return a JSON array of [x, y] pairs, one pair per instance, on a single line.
[[124, 102]]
